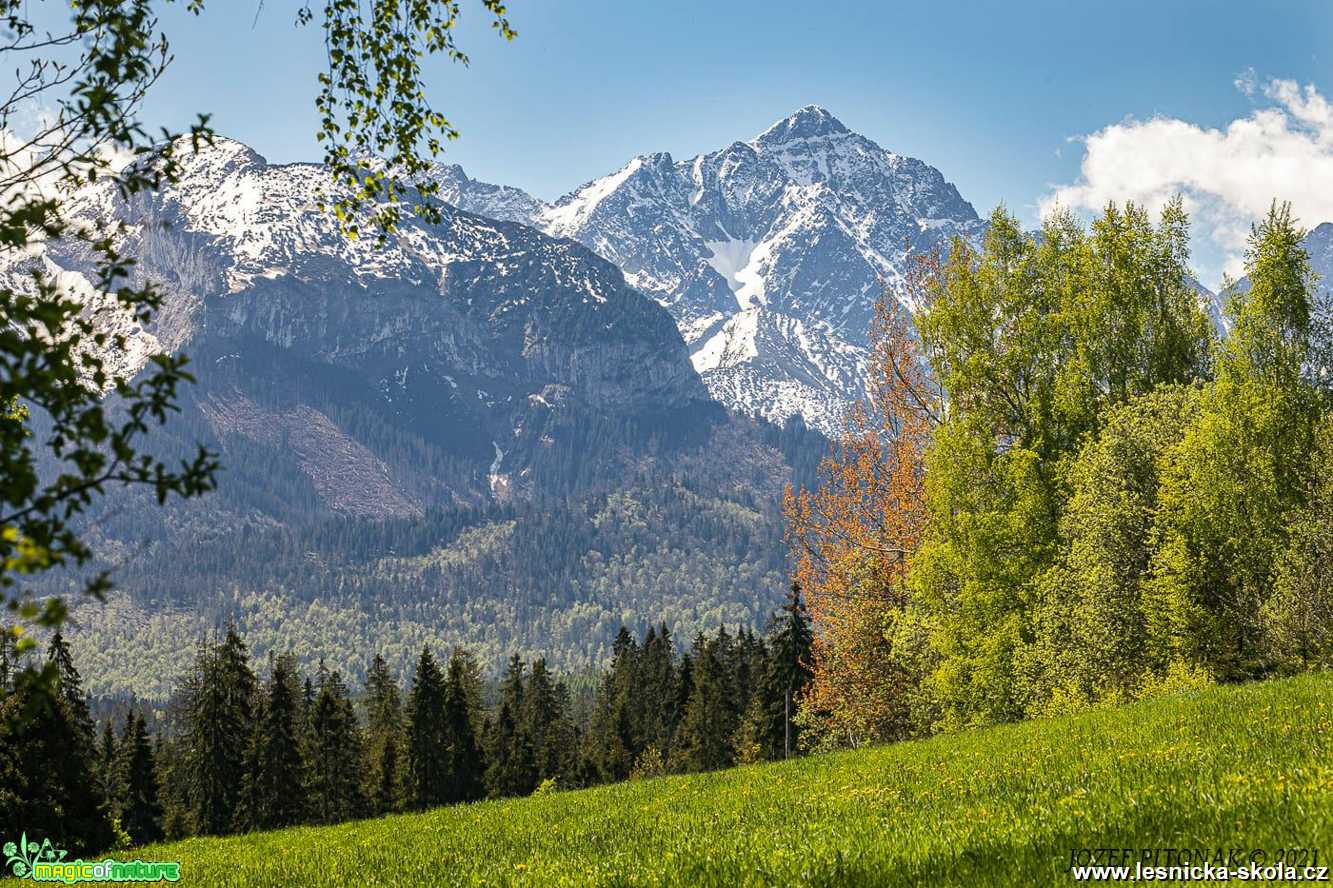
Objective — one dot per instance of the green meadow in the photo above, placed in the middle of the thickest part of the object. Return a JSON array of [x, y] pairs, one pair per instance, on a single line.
[[1247, 766]]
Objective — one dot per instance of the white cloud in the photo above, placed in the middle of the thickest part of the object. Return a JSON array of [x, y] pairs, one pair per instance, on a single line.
[[34, 139], [1228, 177]]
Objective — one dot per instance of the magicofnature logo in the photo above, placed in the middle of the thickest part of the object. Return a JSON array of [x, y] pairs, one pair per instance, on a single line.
[[44, 862]]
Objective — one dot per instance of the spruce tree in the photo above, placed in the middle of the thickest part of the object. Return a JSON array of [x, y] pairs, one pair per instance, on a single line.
[[136, 774], [512, 766], [251, 800], [470, 680], [334, 761], [753, 744], [427, 736], [615, 738], [562, 738], [545, 720], [384, 739], [607, 751], [218, 726], [273, 793], [176, 820], [657, 687], [705, 738], [106, 767], [789, 666], [467, 768], [742, 669], [71, 688], [48, 783], [685, 682]]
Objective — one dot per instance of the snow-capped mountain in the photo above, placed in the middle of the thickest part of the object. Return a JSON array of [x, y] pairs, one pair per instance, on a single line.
[[473, 332], [503, 202], [1318, 244], [769, 253]]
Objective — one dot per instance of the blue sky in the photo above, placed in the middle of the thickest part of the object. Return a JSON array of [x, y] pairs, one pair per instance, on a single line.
[[996, 95]]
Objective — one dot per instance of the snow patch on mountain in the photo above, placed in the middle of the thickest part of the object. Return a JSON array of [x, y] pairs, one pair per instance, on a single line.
[[734, 344], [733, 260]]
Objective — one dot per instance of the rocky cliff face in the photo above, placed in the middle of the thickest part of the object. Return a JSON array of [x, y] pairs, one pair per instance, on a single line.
[[474, 332], [248, 253]]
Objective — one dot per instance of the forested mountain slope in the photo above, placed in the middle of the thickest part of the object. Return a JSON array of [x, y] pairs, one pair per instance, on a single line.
[[473, 433]]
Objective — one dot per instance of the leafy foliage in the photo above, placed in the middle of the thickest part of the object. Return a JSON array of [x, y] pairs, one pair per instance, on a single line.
[[1231, 487], [1296, 621], [851, 537], [55, 342], [373, 104], [1033, 341], [1090, 627]]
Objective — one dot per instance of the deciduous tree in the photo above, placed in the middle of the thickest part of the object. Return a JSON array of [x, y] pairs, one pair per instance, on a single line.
[[851, 538], [1232, 485]]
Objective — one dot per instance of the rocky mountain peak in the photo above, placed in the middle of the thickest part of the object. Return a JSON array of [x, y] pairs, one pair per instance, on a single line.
[[769, 253], [810, 122]]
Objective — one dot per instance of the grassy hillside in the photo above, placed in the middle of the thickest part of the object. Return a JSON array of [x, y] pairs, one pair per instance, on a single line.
[[1236, 767]]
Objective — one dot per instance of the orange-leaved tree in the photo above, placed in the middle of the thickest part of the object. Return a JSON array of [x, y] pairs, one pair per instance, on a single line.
[[852, 538]]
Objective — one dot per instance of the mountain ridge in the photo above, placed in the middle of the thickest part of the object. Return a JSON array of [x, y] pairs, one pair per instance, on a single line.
[[769, 253]]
